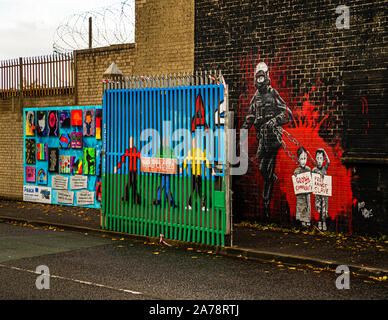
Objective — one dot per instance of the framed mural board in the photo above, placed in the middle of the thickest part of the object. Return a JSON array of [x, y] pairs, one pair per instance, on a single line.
[[61, 155]]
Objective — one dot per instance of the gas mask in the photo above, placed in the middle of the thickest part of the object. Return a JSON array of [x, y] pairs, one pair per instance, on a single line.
[[261, 76]]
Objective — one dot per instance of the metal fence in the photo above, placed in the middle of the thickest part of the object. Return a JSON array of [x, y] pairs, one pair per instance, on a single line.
[[151, 187], [37, 76]]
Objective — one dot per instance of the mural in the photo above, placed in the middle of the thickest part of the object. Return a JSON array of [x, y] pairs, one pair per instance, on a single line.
[[53, 123], [98, 123], [76, 117], [30, 123], [76, 140], [290, 126], [89, 161], [89, 123], [64, 141], [166, 188], [76, 165], [197, 158], [267, 113], [130, 156], [99, 191], [178, 175], [30, 174], [303, 199], [321, 201], [54, 160], [42, 129], [64, 119], [42, 176], [64, 164], [41, 151], [30, 149]]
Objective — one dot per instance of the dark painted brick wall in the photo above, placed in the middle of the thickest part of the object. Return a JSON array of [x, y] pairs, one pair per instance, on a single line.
[[343, 71]]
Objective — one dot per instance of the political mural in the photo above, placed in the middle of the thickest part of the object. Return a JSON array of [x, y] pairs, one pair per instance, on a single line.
[[54, 151]]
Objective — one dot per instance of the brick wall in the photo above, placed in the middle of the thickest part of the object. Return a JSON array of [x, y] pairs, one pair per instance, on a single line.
[[340, 75], [11, 158], [91, 65], [11, 155], [164, 36]]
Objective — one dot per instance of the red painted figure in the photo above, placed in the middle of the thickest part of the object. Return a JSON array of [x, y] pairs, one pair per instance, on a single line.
[[133, 155]]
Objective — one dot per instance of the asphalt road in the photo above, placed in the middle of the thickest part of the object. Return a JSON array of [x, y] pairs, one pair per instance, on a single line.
[[94, 267]]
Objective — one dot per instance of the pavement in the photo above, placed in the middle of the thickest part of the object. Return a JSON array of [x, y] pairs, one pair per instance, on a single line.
[[250, 241]]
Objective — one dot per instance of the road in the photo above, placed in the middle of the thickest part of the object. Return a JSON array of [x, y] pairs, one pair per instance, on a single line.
[[94, 267]]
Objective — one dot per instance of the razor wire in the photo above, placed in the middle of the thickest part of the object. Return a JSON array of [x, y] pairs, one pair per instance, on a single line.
[[114, 24]]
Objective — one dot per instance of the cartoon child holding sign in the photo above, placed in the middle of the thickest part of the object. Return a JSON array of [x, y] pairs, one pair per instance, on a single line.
[[303, 200], [321, 201]]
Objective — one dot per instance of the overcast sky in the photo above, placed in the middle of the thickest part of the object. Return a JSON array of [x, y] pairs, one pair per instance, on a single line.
[[27, 27]]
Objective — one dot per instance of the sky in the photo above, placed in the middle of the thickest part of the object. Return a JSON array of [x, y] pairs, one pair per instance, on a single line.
[[27, 27]]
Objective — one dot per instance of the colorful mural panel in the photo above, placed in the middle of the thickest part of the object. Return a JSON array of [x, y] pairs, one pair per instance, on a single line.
[[53, 123], [64, 141], [30, 123], [64, 164], [30, 150], [30, 174], [64, 119], [42, 128], [89, 124], [59, 149], [76, 140], [76, 117], [41, 151], [42, 176], [98, 123], [53, 160], [76, 165], [89, 161]]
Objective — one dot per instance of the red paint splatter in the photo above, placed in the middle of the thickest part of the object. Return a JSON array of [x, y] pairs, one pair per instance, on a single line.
[[306, 133], [309, 120]]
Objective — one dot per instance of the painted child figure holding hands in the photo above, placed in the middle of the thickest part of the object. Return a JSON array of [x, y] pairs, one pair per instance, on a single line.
[[321, 201], [303, 200]]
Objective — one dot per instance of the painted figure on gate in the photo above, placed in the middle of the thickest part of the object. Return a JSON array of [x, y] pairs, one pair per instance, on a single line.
[[322, 202], [267, 113], [197, 158], [132, 154], [166, 188]]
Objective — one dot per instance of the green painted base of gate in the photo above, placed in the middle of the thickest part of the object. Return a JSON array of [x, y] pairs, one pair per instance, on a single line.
[[184, 221]]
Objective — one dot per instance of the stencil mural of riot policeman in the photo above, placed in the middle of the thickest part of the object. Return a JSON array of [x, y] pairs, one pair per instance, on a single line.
[[267, 113]]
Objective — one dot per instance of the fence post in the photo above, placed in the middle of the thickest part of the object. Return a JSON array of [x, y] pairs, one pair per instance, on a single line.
[[90, 33], [74, 76], [228, 202], [21, 106]]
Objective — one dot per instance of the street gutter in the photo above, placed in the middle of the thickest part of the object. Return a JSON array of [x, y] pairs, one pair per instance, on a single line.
[[234, 252]]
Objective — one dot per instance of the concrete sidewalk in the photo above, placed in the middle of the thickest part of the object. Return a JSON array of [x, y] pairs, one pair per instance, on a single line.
[[263, 243]]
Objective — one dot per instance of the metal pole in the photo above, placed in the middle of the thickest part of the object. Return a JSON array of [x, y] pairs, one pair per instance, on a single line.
[[21, 85], [228, 209], [90, 32]]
